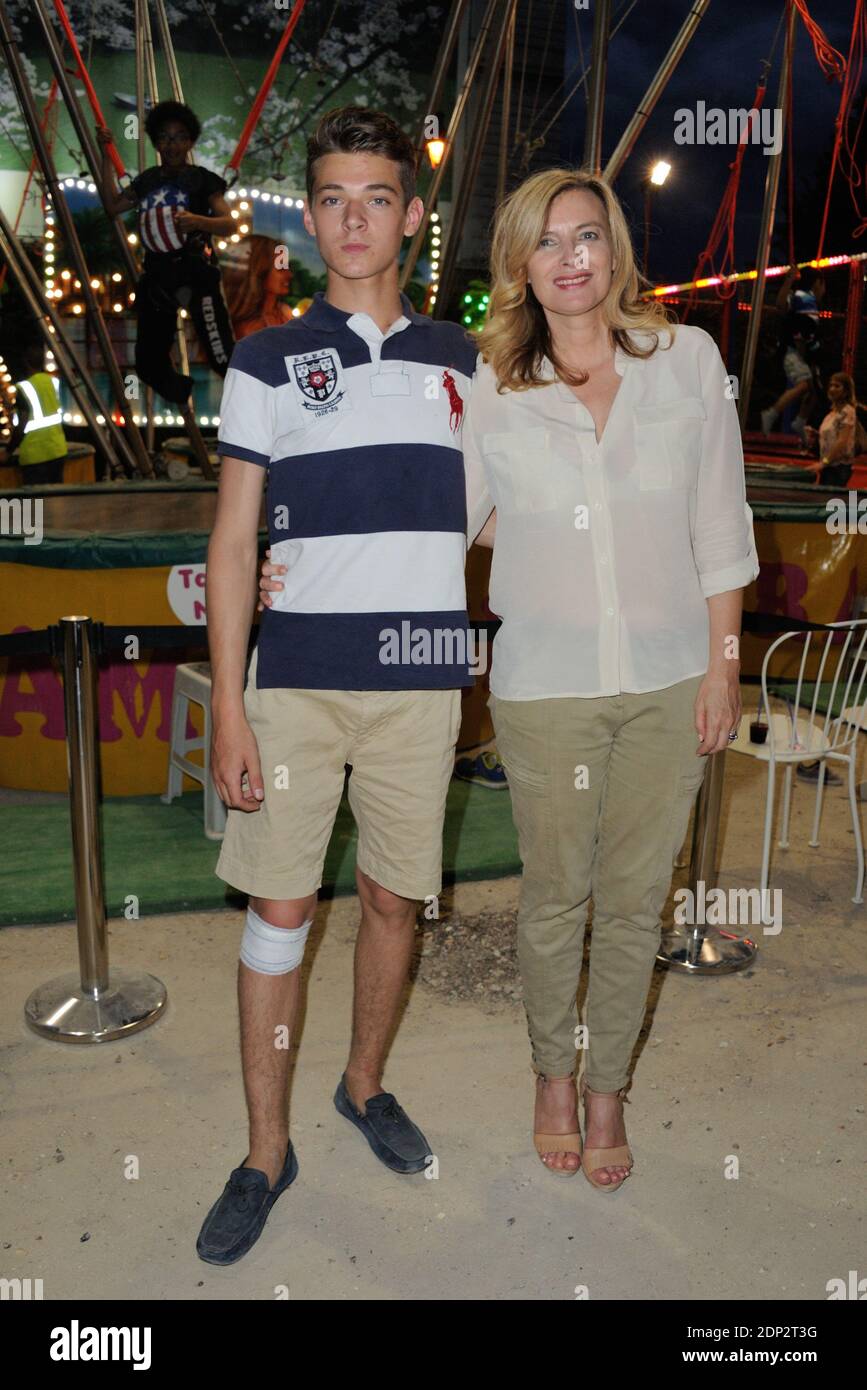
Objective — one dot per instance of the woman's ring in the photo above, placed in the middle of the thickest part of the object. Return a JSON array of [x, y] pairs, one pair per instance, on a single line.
[[733, 735]]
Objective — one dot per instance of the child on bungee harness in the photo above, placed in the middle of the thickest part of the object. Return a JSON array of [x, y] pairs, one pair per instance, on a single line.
[[179, 205]]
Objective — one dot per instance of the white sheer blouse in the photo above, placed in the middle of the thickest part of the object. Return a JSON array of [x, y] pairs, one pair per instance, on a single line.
[[606, 552]]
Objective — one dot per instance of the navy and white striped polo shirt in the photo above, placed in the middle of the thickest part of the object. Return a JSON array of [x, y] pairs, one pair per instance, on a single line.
[[360, 431]]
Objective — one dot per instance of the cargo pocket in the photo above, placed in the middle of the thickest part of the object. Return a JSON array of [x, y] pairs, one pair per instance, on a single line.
[[520, 467]]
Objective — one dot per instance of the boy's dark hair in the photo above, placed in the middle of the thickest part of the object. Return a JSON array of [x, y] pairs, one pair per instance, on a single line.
[[358, 130], [166, 111]]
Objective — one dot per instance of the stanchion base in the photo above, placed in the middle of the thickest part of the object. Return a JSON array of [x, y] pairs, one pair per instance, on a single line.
[[717, 953], [62, 1010]]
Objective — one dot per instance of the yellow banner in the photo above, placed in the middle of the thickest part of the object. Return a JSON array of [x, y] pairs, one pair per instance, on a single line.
[[806, 573]]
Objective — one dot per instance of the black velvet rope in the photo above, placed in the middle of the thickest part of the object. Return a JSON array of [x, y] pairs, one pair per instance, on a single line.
[[108, 639]]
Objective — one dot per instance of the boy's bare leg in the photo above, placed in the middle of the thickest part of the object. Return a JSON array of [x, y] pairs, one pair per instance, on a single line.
[[267, 1003], [788, 397], [383, 951]]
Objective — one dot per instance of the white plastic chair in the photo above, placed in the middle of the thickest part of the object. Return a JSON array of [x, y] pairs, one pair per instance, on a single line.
[[193, 683], [813, 736]]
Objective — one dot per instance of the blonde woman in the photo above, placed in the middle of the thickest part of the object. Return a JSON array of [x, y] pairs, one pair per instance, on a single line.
[[608, 445], [607, 439]]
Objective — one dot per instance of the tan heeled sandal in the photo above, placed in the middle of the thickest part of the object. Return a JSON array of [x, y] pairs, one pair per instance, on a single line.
[[557, 1143], [619, 1156]]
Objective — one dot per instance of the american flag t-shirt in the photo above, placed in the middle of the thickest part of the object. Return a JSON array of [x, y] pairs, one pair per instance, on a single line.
[[156, 218]]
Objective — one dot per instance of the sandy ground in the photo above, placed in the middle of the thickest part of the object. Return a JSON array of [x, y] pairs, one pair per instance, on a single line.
[[766, 1066]]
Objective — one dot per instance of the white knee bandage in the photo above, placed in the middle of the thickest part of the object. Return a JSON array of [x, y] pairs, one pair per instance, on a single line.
[[272, 950]]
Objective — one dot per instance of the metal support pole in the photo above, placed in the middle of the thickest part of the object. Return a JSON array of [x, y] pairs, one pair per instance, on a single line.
[[598, 73], [91, 1005], [443, 59], [92, 154], [76, 375], [417, 242], [150, 61], [461, 203], [143, 42], [82, 129], [854, 310], [187, 410], [696, 947], [766, 231], [141, 38], [450, 38], [61, 208], [506, 106], [169, 53], [645, 107]]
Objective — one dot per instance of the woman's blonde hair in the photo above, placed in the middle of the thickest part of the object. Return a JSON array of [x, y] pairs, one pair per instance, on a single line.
[[516, 336]]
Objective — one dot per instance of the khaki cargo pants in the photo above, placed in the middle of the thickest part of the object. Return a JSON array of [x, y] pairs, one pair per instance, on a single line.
[[601, 795]]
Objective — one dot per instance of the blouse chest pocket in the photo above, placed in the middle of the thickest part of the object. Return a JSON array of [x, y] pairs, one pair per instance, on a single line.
[[668, 443], [520, 470]]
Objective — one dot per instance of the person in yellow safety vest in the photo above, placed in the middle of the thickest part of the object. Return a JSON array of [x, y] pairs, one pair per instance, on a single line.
[[37, 426]]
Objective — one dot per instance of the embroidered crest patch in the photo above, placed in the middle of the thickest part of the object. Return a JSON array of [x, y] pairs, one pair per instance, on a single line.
[[319, 379]]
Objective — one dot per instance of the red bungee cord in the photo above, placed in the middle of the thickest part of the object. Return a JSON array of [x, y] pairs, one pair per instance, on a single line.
[[88, 85], [724, 222], [843, 141], [255, 109]]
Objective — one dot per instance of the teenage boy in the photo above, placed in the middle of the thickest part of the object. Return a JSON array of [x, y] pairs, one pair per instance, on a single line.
[[180, 205], [353, 414]]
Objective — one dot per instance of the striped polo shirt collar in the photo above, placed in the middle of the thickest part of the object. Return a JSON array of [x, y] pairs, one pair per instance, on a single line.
[[329, 319]]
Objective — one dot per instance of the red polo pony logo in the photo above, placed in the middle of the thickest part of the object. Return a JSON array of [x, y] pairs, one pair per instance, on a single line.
[[457, 406]]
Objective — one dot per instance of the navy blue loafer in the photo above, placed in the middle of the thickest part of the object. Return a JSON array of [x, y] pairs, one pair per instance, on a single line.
[[236, 1220], [389, 1131]]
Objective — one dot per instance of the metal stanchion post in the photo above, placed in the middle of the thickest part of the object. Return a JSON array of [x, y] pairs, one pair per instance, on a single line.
[[93, 1005], [696, 947]]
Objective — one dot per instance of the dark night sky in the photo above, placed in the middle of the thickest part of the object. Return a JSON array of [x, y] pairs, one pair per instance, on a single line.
[[720, 66]]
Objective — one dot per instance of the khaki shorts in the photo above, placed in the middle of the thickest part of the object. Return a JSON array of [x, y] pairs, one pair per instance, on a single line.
[[401, 745]]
